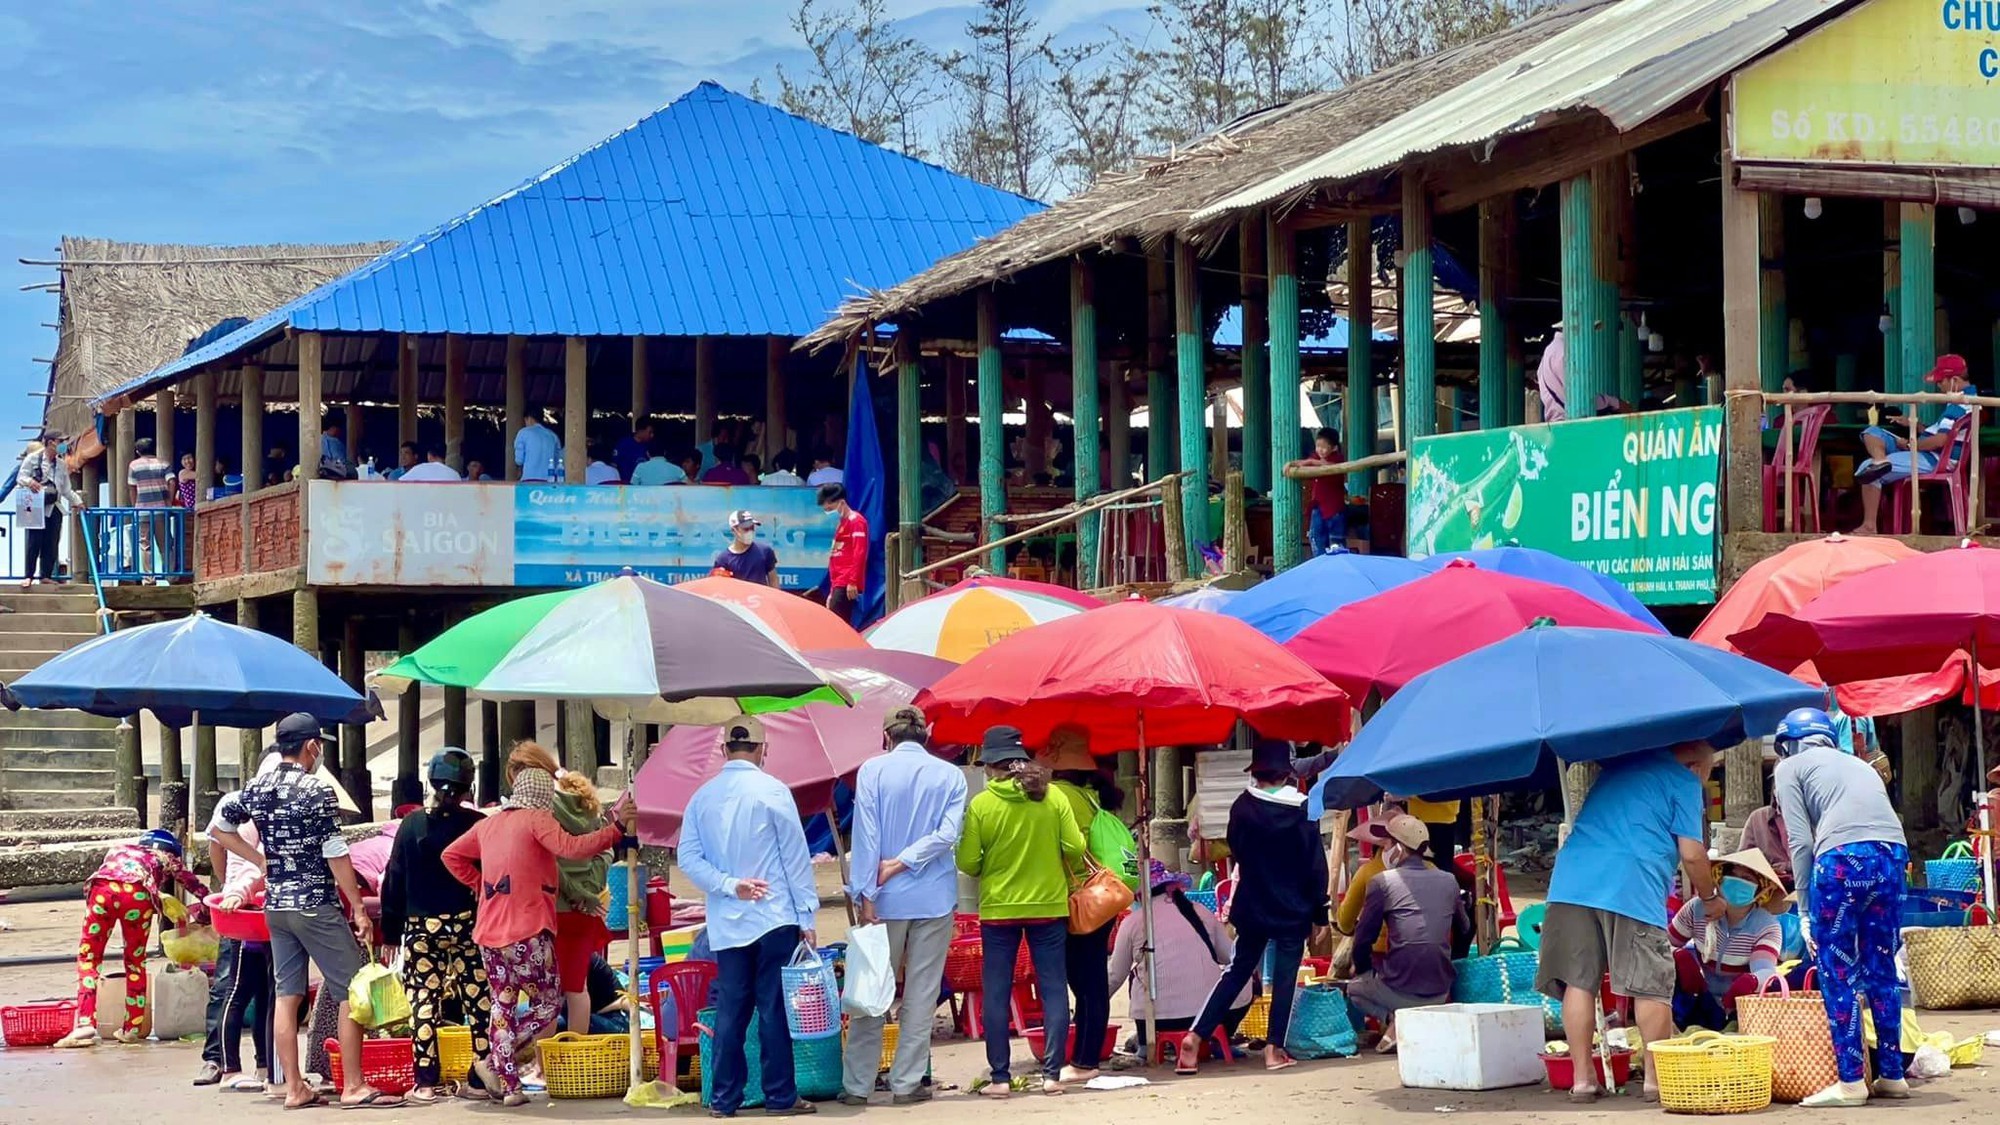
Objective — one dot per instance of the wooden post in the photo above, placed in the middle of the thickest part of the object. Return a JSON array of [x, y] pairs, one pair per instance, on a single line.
[[1287, 514], [355, 422], [354, 736], [123, 428], [1893, 379], [1916, 494], [409, 390], [1918, 236], [909, 455], [776, 428], [1619, 274], [1040, 419], [204, 437], [992, 439], [1975, 502], [305, 620], [163, 427], [1192, 379], [1117, 427], [1419, 312], [580, 745], [517, 400], [704, 390], [454, 401], [128, 784], [408, 787], [1773, 345], [249, 743], [1084, 409], [641, 384], [955, 417], [1216, 410], [1608, 186], [173, 782], [1787, 454], [1499, 397], [1253, 285], [207, 791], [1584, 379], [1919, 769], [1172, 530], [1235, 528], [312, 349], [253, 428], [489, 752], [576, 408], [1162, 430], [1359, 399], [454, 717], [1741, 283]]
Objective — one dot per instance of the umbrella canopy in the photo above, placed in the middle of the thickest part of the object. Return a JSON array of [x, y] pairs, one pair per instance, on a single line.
[[1286, 603], [1786, 581], [1381, 643], [1077, 598], [1189, 676], [232, 676], [1504, 714], [810, 747], [1906, 618], [1527, 562], [962, 622], [634, 648], [1208, 599], [803, 624]]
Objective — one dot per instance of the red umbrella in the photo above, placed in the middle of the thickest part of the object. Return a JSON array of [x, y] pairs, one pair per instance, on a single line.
[[1380, 643], [1136, 674]]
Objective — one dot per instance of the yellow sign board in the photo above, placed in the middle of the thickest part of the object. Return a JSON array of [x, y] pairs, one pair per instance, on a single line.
[[1910, 83]]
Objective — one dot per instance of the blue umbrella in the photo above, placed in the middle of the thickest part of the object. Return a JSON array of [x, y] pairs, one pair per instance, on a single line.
[[1281, 607], [1527, 562], [1208, 599], [234, 677], [1505, 714]]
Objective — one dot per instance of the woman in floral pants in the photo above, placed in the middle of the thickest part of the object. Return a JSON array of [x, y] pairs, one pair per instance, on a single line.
[[123, 895]]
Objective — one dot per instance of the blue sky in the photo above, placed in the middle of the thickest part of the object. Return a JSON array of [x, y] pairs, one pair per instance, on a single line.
[[205, 121]]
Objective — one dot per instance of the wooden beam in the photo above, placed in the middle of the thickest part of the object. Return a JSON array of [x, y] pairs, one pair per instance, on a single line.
[[123, 428], [1773, 346], [312, 348], [454, 401], [1918, 239], [1192, 380], [1359, 400], [1892, 298], [409, 784], [1162, 430], [355, 422], [517, 400], [1084, 410], [1118, 425], [353, 765], [1741, 281], [163, 427], [253, 428], [576, 408], [1943, 187], [206, 790], [305, 620], [408, 387], [1497, 224], [204, 437], [1545, 157], [1287, 511], [1419, 307], [641, 383], [956, 441], [454, 717], [249, 743], [1252, 287], [777, 428], [992, 439], [704, 388]]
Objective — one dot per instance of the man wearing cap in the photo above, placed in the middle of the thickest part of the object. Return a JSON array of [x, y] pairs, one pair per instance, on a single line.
[[743, 847], [1892, 458], [307, 875], [909, 808], [1419, 908], [745, 558]]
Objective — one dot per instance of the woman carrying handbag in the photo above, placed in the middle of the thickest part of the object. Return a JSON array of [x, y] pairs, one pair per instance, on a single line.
[[1087, 953]]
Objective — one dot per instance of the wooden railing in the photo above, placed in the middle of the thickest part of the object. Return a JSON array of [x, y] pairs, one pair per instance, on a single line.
[[1788, 450]]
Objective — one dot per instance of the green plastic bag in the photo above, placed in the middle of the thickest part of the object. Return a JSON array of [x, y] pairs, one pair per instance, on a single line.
[[375, 998], [1111, 844]]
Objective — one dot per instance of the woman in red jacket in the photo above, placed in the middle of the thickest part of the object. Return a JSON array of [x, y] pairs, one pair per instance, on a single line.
[[509, 860]]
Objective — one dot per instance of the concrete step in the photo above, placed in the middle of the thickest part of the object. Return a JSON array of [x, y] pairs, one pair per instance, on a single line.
[[54, 720], [59, 758], [31, 621], [49, 599], [62, 738], [43, 837], [51, 800], [39, 641], [17, 778], [107, 817], [51, 865]]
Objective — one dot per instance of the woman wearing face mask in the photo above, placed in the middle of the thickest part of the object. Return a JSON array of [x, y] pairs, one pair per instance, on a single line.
[[1732, 953], [45, 493]]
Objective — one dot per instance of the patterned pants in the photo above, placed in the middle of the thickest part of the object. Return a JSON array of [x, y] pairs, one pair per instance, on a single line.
[[1857, 895], [129, 908], [442, 972], [522, 972]]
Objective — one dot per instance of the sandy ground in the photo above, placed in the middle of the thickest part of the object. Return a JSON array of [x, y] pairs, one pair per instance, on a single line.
[[148, 1085]]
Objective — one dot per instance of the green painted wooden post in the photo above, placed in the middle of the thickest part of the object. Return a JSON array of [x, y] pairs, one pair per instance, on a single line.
[[909, 452], [1193, 381], [1287, 513], [1359, 397], [1631, 360], [1257, 465], [1162, 432], [1495, 223], [1420, 399], [1919, 319], [1583, 379], [1847, 377], [1774, 346], [1084, 408], [1609, 193], [1892, 297], [992, 438]]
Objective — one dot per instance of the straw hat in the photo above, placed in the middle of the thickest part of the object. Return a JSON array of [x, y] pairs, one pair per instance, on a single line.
[[1068, 749], [1752, 862]]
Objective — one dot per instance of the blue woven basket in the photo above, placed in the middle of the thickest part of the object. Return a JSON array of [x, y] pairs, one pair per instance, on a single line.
[[753, 1062], [1952, 874], [812, 996], [816, 1067], [615, 917], [1206, 898], [1504, 978], [815, 1064]]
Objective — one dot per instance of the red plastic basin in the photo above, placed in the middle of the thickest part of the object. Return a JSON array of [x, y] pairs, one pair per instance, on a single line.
[[1038, 1041], [1562, 1069]]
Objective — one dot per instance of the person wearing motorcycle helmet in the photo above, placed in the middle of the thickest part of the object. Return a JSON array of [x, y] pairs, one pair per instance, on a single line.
[[430, 914], [1848, 857], [124, 894]]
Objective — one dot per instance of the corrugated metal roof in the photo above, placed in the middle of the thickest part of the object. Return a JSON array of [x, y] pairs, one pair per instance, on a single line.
[[716, 216], [1629, 63]]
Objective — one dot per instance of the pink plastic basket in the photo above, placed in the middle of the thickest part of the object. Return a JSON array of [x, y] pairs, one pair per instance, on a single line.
[[38, 1024]]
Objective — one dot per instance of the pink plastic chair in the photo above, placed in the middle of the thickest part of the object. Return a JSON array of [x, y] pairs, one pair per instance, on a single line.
[[1800, 462], [689, 982], [1950, 472]]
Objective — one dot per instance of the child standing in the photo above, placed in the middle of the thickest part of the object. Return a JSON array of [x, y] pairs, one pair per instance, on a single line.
[[124, 893]]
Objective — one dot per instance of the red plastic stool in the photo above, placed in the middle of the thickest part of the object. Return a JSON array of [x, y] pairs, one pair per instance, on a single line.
[[1216, 1046]]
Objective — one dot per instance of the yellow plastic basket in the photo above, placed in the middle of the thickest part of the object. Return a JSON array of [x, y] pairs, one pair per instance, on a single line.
[[1257, 1021], [454, 1052], [586, 1066], [1706, 1072], [891, 1035]]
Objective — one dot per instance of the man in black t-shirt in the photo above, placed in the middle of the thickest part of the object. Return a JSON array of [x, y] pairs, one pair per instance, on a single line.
[[745, 558]]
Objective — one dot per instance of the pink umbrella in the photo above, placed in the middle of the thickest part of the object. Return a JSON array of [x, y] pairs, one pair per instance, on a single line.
[[811, 746]]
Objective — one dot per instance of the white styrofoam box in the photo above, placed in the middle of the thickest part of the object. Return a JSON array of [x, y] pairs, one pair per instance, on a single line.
[[1470, 1046]]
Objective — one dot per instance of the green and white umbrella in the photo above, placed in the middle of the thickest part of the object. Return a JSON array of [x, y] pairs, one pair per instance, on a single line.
[[637, 650]]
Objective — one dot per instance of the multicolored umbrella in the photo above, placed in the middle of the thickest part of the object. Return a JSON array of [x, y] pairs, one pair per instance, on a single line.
[[636, 649], [803, 624], [1077, 598], [810, 747], [962, 622]]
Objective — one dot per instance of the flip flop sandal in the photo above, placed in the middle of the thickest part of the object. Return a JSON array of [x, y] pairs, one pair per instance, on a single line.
[[376, 1099], [482, 1073], [246, 1084], [515, 1099], [312, 1102], [470, 1091]]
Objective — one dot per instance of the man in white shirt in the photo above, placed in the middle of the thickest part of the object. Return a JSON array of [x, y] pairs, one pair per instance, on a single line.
[[433, 469], [824, 470], [601, 470], [784, 471], [536, 449]]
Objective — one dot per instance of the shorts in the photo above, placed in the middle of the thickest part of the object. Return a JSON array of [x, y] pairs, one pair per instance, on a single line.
[[320, 934], [1580, 942], [579, 937]]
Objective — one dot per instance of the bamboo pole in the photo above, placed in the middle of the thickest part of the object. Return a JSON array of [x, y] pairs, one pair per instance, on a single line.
[[1301, 470], [1235, 532], [1785, 439], [1916, 479], [1058, 519], [1975, 511], [1172, 530]]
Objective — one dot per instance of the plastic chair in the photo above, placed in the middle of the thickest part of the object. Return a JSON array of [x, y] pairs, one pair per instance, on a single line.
[[1950, 471], [1528, 927], [689, 982], [1216, 1046], [1470, 867], [666, 1028], [1800, 462]]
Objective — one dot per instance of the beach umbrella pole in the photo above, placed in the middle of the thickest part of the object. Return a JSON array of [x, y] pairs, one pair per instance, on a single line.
[[1596, 993], [1149, 1016], [840, 857], [1985, 850], [635, 914]]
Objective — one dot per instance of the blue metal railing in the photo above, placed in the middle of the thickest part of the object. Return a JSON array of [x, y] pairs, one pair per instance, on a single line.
[[139, 544]]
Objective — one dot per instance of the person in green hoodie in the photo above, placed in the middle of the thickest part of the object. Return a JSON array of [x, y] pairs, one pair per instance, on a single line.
[[580, 932], [1088, 790], [1018, 844]]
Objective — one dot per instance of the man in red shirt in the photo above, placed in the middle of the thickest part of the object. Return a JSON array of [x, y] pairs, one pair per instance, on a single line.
[[847, 567], [1328, 513]]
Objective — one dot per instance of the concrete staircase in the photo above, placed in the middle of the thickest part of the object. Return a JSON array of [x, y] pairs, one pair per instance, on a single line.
[[50, 761]]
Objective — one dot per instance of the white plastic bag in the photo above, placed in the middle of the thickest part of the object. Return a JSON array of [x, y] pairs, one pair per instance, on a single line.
[[871, 979], [1929, 1063]]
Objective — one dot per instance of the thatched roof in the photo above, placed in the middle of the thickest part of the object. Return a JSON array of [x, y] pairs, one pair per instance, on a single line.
[[1158, 199], [128, 307]]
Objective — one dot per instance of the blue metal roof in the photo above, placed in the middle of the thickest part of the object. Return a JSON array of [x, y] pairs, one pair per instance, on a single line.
[[717, 215]]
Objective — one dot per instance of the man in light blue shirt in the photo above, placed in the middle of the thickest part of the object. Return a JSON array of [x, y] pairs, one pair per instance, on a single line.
[[742, 845], [536, 449], [909, 807]]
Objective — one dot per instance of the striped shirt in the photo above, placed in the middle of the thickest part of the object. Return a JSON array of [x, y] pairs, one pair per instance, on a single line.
[[1727, 951], [152, 483]]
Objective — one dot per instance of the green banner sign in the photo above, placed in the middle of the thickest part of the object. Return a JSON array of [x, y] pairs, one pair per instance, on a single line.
[[1632, 496]]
